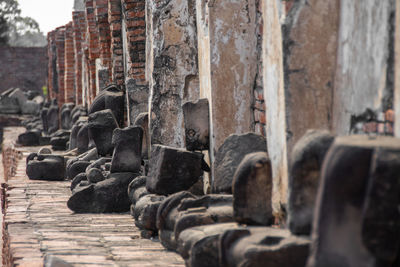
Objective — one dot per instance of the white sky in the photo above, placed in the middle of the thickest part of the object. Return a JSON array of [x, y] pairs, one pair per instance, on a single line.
[[50, 14]]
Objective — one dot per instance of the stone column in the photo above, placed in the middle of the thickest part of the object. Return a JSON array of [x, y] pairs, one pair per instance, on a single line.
[[228, 65], [52, 83], [69, 75], [93, 47], [274, 94], [363, 72], [114, 19], [60, 45], [79, 27], [173, 70], [310, 47]]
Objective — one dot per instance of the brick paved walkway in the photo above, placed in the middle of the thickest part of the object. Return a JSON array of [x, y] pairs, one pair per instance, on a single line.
[[38, 223]]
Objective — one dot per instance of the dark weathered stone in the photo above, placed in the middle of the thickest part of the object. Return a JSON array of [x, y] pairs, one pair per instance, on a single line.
[[101, 126], [381, 215], [43, 116], [77, 180], [46, 167], [197, 118], [98, 163], [173, 170], [59, 143], [259, 247], [111, 97], [127, 149], [347, 229], [204, 238], [252, 190], [109, 195], [142, 120], [209, 209], [29, 138], [77, 112], [166, 215], [94, 175], [145, 213], [82, 139], [52, 117], [304, 176], [66, 120], [9, 105], [74, 132], [229, 156], [137, 189], [76, 168]]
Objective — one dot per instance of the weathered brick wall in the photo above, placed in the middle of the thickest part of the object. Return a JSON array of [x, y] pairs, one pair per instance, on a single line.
[[92, 38], [9, 152], [259, 103], [23, 67], [78, 28], [117, 61], [69, 91], [103, 66], [52, 79], [60, 54], [136, 85]]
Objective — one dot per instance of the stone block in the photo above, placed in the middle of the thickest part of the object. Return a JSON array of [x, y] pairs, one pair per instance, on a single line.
[[127, 149], [261, 246], [197, 120], [111, 97], [52, 117], [252, 190], [145, 212], [209, 209], [76, 168], [173, 170], [46, 167], [355, 219], [166, 216], [103, 197], [101, 125], [304, 176], [29, 138], [94, 175], [137, 189], [199, 245], [229, 156], [142, 120]]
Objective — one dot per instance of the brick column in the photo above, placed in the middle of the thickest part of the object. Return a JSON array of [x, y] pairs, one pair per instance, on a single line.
[[117, 63], [103, 65], [60, 45], [69, 75], [52, 82], [134, 35], [79, 28], [92, 38]]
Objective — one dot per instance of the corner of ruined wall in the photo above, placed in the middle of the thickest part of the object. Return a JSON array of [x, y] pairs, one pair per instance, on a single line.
[[10, 153], [10, 157]]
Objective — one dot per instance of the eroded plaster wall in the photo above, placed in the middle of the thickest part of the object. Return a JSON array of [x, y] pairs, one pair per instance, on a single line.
[[173, 71], [361, 80]]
